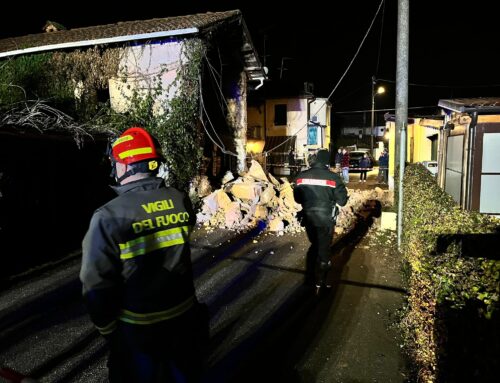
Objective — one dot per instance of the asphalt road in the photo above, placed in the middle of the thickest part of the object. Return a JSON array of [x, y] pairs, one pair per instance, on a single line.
[[265, 326]]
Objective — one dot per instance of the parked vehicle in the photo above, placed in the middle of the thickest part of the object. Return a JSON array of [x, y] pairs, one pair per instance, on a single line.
[[431, 166], [355, 157]]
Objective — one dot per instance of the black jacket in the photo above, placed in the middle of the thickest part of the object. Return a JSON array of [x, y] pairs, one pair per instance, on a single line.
[[318, 190], [136, 264]]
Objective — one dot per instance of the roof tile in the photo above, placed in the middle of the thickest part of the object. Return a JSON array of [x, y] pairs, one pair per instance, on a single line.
[[128, 28]]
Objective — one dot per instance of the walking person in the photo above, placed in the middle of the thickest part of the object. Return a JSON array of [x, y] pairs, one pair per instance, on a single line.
[[383, 167], [345, 165], [365, 164], [338, 160], [136, 270], [319, 191]]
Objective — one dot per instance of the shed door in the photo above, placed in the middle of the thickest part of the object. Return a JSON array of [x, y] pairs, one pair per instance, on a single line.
[[486, 176], [454, 167]]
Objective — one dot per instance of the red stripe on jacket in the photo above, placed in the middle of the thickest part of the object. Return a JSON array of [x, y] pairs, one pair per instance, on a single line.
[[316, 182]]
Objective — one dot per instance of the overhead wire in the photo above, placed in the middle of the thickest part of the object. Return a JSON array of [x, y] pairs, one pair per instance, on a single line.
[[338, 83], [222, 147]]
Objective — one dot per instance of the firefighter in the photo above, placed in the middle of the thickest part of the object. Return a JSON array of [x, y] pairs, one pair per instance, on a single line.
[[319, 191], [136, 270]]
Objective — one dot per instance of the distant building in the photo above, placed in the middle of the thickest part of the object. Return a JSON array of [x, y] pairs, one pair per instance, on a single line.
[[423, 134], [301, 123]]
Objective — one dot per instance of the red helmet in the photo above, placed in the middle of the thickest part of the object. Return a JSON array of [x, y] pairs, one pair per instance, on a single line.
[[134, 145]]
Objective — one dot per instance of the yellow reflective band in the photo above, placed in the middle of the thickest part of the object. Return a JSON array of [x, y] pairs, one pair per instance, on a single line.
[[155, 241], [108, 329], [122, 139], [135, 152], [159, 316]]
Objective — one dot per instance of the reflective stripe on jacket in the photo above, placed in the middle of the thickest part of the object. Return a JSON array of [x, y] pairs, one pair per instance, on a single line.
[[136, 264]]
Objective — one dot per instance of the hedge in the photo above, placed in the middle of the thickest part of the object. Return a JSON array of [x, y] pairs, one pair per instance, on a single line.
[[442, 284]]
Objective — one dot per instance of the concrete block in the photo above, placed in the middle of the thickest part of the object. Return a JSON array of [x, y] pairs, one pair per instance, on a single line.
[[388, 221], [245, 191], [257, 172]]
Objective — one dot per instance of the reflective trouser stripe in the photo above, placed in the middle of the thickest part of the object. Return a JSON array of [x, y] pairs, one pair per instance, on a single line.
[[155, 241], [108, 329], [150, 318]]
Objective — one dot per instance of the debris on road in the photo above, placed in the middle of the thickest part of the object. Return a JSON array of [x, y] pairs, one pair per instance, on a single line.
[[242, 203]]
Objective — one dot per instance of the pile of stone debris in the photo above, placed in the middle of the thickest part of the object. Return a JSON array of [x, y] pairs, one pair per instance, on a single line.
[[242, 203]]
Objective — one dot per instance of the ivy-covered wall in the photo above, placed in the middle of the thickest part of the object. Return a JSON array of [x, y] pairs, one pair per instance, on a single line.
[[444, 284], [163, 97], [70, 91]]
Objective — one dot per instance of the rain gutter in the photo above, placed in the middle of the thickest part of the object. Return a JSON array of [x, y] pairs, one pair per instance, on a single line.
[[106, 40]]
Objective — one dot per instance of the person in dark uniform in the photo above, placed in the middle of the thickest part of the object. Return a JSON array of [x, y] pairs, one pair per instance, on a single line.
[[319, 191], [136, 270]]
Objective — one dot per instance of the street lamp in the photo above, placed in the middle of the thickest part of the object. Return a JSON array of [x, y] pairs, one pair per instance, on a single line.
[[379, 90]]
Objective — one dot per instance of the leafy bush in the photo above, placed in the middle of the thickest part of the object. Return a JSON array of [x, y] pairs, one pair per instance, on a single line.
[[445, 279]]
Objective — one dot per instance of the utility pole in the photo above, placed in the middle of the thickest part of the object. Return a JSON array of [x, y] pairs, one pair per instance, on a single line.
[[282, 68], [401, 102], [373, 115]]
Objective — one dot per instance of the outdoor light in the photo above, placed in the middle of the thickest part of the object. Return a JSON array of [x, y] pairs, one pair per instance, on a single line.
[[379, 90]]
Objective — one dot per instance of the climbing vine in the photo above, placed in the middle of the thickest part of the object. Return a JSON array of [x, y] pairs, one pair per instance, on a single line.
[[76, 84], [174, 121], [24, 77]]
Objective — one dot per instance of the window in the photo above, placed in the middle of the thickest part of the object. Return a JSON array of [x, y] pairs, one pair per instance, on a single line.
[[280, 114], [312, 135], [490, 174]]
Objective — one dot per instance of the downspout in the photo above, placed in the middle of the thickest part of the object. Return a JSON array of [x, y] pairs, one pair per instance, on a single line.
[[471, 142], [441, 152]]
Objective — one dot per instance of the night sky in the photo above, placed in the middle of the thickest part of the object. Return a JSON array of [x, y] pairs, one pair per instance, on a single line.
[[453, 48]]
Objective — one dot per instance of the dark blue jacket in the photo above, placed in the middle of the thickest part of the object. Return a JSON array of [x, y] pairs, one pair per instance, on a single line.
[[383, 161], [318, 190], [365, 163]]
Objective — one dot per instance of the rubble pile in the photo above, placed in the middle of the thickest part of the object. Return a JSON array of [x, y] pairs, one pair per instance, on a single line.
[[241, 203], [256, 196]]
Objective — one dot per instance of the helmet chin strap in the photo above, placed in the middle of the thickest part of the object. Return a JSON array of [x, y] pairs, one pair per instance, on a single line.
[[129, 172]]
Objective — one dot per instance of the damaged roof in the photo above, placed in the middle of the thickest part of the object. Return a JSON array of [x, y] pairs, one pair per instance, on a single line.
[[481, 105], [133, 31]]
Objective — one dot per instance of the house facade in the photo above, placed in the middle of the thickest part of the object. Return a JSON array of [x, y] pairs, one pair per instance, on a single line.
[[300, 123], [113, 64]]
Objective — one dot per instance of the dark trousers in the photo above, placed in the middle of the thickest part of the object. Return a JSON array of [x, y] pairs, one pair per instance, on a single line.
[[382, 175], [166, 352], [362, 176], [320, 238]]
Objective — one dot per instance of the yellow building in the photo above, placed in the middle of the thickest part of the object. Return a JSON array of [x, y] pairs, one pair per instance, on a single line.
[[422, 140]]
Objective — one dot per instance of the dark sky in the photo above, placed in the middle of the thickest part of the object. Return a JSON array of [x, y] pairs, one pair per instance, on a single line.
[[453, 48]]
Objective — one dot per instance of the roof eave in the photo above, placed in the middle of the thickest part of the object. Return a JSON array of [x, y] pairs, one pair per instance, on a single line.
[[103, 41], [460, 108], [253, 67]]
